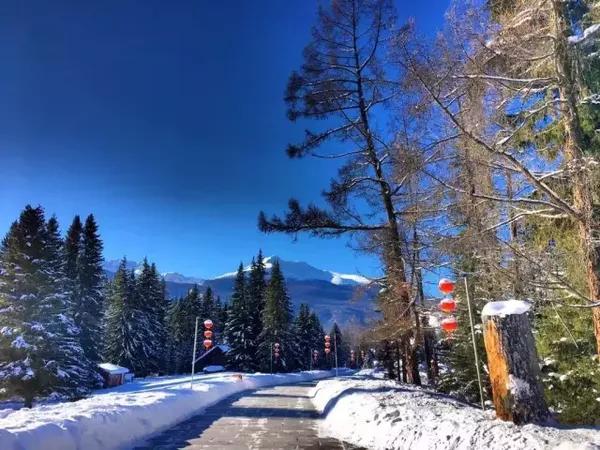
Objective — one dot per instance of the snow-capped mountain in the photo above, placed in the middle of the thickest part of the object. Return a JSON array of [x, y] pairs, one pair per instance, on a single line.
[[299, 270], [336, 297], [112, 265], [175, 277]]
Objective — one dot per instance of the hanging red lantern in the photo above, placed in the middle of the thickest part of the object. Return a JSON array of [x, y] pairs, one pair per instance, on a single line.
[[208, 324], [449, 325], [327, 344], [448, 305], [446, 286], [207, 344], [327, 350], [327, 337], [208, 334], [276, 346], [276, 354]]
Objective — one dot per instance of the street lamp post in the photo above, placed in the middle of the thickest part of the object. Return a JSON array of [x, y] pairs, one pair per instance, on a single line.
[[194, 354]]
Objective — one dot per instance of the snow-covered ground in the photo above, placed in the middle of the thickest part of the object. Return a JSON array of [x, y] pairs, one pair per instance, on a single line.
[[380, 414], [118, 417]]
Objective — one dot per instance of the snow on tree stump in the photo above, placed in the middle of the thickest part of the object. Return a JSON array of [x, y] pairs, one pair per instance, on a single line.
[[513, 363]]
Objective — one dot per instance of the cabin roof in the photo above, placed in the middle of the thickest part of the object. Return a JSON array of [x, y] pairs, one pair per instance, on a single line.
[[113, 369]]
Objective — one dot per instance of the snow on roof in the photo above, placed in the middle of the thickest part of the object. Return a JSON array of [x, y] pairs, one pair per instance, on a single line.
[[505, 308], [113, 368]]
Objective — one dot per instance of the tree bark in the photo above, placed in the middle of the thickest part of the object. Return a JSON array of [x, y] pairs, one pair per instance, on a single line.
[[514, 370], [574, 144]]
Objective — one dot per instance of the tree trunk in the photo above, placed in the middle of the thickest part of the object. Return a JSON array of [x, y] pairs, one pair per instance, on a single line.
[[28, 401], [393, 252], [513, 366], [574, 143], [409, 352]]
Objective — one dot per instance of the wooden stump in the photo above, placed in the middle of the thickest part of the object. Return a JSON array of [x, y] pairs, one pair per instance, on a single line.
[[513, 363]]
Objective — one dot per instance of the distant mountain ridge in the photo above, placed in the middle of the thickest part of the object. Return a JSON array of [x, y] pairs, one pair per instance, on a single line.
[[299, 270], [336, 297]]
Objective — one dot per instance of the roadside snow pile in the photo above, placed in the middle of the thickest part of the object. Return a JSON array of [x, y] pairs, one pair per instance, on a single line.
[[380, 414], [118, 417]]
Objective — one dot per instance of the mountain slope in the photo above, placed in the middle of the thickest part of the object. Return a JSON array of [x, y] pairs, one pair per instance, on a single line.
[[335, 297]]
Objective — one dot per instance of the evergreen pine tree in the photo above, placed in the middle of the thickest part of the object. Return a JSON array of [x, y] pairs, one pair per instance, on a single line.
[[208, 310], [39, 353], [72, 251], [181, 323], [220, 318], [76, 373], [338, 342], [237, 329], [152, 302], [88, 312], [126, 322], [175, 358], [256, 303], [304, 332], [277, 326], [317, 339]]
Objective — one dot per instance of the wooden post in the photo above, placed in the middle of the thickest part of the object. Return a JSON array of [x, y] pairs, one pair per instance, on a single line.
[[513, 362]]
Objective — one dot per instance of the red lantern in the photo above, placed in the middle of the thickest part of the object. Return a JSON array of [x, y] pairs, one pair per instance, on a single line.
[[276, 347], [208, 324], [449, 325], [327, 338], [448, 305], [208, 334], [446, 286], [327, 350], [207, 343], [327, 344], [276, 354]]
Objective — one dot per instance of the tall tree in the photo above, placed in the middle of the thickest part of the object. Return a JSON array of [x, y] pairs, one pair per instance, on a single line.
[[238, 328], [126, 323], [72, 252], [77, 373], [39, 350], [208, 310], [338, 341], [531, 98], [256, 303], [343, 83], [278, 326], [90, 289], [150, 291]]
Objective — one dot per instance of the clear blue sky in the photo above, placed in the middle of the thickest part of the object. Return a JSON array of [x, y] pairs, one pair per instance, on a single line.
[[166, 120]]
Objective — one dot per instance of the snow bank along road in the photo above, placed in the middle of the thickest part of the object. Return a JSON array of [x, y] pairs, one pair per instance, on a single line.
[[380, 414], [117, 418]]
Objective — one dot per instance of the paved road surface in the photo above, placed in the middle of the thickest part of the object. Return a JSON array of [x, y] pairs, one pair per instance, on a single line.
[[280, 417]]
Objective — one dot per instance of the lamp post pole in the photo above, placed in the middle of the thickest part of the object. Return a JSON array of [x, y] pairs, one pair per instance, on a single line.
[[194, 354], [468, 297]]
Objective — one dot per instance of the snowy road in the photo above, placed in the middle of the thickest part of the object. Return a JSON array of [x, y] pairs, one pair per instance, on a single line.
[[281, 417]]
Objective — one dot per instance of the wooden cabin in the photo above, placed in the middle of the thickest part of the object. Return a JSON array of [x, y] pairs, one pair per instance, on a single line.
[[216, 356], [113, 375]]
